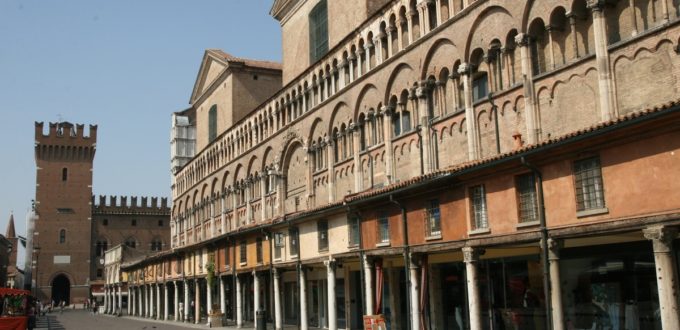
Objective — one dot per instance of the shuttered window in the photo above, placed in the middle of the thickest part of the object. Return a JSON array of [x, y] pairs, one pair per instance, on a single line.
[[212, 123], [318, 31]]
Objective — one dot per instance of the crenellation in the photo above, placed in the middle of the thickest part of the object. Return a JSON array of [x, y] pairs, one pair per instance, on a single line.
[[130, 203]]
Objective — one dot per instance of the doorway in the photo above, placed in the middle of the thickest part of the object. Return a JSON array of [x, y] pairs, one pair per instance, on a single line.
[[61, 289]]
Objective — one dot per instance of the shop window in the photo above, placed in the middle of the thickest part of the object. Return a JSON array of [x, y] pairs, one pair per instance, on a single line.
[[278, 245], [243, 252], [527, 198], [322, 232], [433, 219], [318, 31], [478, 207], [212, 123], [383, 229], [588, 184], [354, 231], [258, 245]]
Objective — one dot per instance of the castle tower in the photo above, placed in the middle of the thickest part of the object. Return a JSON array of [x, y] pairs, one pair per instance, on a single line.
[[64, 158]]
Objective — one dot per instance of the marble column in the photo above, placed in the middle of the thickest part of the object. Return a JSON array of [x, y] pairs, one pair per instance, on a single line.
[[197, 302], [239, 303], [471, 258], [187, 305], [223, 305], [120, 299], [303, 299], [278, 322], [522, 40], [414, 288], [666, 273], [554, 247], [166, 299], [368, 285], [256, 294], [129, 300], [465, 70], [332, 308], [175, 310], [422, 93]]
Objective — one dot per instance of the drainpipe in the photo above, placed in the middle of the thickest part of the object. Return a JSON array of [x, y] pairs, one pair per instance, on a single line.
[[544, 242], [407, 261], [233, 281], [494, 108]]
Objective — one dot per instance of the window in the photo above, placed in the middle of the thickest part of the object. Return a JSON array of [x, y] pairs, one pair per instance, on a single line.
[[100, 273], [278, 245], [527, 198], [62, 236], [64, 174], [102, 246], [322, 232], [260, 257], [318, 31], [134, 222], [383, 229], [480, 86], [243, 252], [105, 222], [212, 122], [354, 231], [588, 183], [478, 207], [432, 216], [160, 223], [293, 234], [156, 244], [131, 242]]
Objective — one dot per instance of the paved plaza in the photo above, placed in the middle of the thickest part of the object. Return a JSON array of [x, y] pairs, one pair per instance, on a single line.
[[80, 319]]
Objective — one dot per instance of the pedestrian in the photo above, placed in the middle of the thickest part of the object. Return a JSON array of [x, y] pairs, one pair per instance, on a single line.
[[61, 307], [181, 311]]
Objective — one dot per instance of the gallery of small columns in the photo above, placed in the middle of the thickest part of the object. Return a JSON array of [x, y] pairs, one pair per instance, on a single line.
[[630, 283]]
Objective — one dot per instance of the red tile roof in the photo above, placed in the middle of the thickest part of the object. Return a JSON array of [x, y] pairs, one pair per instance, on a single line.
[[249, 62]]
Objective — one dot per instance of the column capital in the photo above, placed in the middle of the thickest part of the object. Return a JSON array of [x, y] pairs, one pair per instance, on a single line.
[[522, 39], [472, 254], [554, 247], [465, 69], [596, 5], [276, 273], [387, 110], [661, 237], [330, 264]]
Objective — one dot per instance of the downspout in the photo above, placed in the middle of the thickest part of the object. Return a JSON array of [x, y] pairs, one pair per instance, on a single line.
[[544, 241], [407, 257], [233, 281], [494, 108]]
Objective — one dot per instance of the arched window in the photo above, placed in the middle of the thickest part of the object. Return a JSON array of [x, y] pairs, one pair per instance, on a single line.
[[62, 236], [64, 174], [131, 242], [156, 244]]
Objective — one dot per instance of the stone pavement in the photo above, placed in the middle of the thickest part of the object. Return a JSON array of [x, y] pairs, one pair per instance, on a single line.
[[84, 320]]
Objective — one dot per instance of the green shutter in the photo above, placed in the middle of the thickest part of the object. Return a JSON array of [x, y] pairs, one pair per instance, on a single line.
[[212, 123]]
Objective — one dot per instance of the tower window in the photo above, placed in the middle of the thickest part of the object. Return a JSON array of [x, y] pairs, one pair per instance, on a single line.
[[131, 242], [64, 174], [105, 222], [62, 236], [134, 222], [160, 223]]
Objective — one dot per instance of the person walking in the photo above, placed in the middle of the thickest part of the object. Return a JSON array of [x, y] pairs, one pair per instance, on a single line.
[[181, 311], [61, 307]]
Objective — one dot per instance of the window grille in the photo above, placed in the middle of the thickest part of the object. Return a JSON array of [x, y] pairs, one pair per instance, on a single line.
[[383, 229], [433, 218], [478, 207], [588, 183], [243, 252], [354, 231], [527, 198]]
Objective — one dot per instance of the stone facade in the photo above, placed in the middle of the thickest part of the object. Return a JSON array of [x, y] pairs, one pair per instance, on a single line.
[[72, 231], [447, 164]]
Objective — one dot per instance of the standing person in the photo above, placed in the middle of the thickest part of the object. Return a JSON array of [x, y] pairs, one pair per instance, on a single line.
[[61, 307], [181, 311]]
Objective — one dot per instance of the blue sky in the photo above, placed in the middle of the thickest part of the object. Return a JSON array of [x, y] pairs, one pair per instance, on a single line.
[[125, 65]]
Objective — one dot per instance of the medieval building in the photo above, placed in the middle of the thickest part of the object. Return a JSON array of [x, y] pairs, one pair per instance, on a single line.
[[72, 229], [431, 164]]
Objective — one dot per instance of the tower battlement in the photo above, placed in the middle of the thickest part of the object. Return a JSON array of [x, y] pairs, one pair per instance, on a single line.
[[59, 132], [127, 204]]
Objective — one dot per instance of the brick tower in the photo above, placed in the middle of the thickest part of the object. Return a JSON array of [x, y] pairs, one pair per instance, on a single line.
[[62, 254], [11, 236]]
